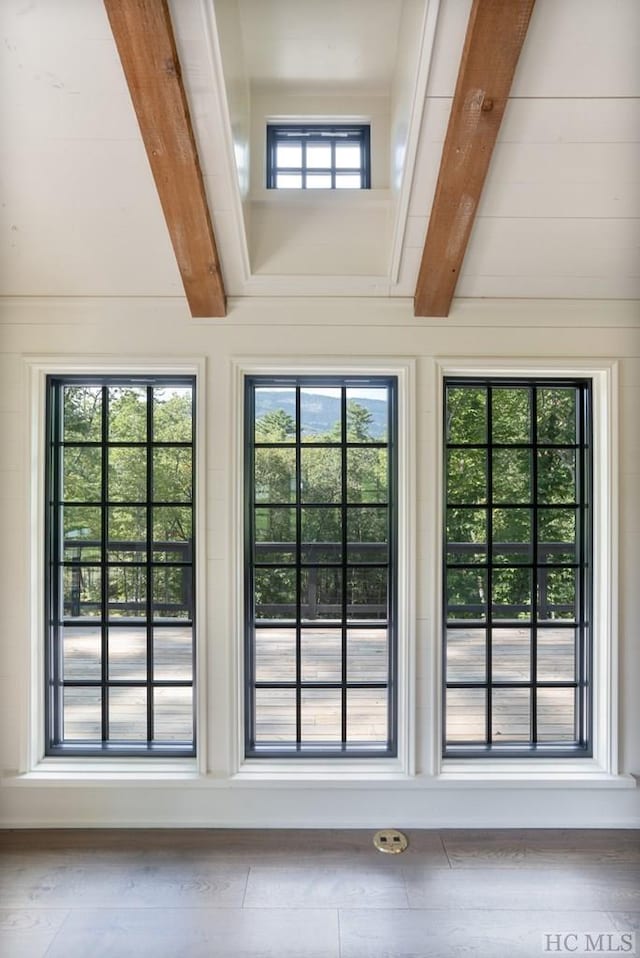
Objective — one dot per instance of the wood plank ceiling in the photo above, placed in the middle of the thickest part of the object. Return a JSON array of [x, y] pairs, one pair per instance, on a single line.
[[493, 42], [144, 37]]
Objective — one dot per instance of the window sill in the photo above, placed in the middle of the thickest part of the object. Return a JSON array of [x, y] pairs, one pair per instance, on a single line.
[[300, 770], [321, 198], [530, 774], [54, 771]]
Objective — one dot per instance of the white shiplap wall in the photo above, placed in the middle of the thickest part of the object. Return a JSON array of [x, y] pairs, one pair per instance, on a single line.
[[345, 328]]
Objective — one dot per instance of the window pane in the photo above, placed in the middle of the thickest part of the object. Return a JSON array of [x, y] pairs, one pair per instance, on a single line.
[[275, 593], [466, 414], [321, 415], [557, 475], [367, 593], [367, 534], [173, 414], [172, 593], [511, 415], [127, 592], [321, 711], [466, 715], [275, 715], [275, 475], [466, 655], [557, 594], [512, 475], [172, 475], [321, 535], [367, 475], [511, 715], [321, 475], [128, 653], [82, 653], [321, 655], [127, 414], [321, 594], [289, 181], [128, 714], [347, 156], [82, 474], [173, 714], [275, 535], [557, 415], [319, 156], [556, 715], [172, 534], [557, 655], [466, 475], [367, 415], [367, 716], [275, 412], [82, 592], [466, 535], [275, 655], [127, 475], [467, 592], [127, 533], [348, 181], [367, 655], [82, 414], [82, 714], [512, 535], [511, 597], [173, 653], [82, 531], [511, 655], [318, 181], [289, 154], [557, 535]]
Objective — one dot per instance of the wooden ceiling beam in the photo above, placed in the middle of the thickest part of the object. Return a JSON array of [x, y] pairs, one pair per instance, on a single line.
[[144, 37], [492, 46]]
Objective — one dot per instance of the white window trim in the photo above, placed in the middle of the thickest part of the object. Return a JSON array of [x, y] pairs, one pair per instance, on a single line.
[[34, 765], [338, 769], [603, 766]]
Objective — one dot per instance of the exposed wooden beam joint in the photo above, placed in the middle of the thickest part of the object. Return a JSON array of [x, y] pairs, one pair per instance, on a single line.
[[494, 39], [144, 37]]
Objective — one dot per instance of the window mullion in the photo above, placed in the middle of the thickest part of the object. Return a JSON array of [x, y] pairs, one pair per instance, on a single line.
[[104, 573]]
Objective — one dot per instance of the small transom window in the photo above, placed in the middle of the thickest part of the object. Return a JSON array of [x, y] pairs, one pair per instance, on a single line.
[[318, 157]]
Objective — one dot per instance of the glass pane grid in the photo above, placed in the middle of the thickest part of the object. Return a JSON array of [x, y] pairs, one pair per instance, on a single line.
[[516, 584], [320, 599], [121, 560], [318, 157]]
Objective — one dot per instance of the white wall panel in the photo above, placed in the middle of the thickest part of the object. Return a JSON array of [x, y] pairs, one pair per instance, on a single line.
[[340, 328]]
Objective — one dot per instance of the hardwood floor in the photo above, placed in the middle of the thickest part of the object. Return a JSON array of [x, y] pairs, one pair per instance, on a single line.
[[314, 894]]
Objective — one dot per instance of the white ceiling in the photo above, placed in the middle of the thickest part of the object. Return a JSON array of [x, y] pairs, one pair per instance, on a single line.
[[350, 43], [559, 217]]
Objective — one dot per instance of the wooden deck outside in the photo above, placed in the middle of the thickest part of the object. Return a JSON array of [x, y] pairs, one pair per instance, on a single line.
[[321, 708]]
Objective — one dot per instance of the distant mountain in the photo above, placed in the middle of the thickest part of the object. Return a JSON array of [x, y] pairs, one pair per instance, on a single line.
[[320, 412]]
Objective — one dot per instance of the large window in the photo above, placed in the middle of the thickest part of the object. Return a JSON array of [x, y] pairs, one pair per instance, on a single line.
[[320, 566], [119, 566], [518, 567], [318, 157]]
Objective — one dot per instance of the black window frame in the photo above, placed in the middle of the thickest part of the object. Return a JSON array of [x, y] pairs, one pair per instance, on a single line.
[[582, 746], [343, 750], [55, 620], [356, 133]]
